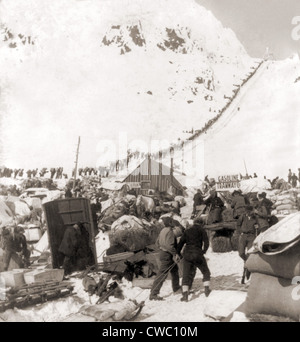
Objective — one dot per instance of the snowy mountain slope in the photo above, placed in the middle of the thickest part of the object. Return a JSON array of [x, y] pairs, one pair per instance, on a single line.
[[264, 132], [148, 68], [257, 130]]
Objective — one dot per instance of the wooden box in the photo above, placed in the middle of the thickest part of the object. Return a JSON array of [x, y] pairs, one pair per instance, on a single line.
[[44, 275], [13, 278], [118, 257]]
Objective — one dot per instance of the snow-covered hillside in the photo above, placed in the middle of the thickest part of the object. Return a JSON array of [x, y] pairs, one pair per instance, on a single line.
[[150, 69], [257, 131], [261, 126]]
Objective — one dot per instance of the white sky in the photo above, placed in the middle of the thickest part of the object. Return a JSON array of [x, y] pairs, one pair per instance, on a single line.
[[259, 23]]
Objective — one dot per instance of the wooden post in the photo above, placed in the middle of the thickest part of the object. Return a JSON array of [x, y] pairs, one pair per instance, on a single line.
[[182, 156], [172, 165], [149, 170], [76, 163], [160, 172]]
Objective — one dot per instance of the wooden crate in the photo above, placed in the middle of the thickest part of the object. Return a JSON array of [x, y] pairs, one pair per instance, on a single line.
[[13, 278], [33, 233], [45, 275], [117, 257]]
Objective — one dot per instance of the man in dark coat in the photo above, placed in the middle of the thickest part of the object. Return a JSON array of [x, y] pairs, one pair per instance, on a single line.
[[264, 201], [196, 244], [290, 176], [294, 180], [52, 172], [238, 204], [14, 244], [68, 193], [198, 200], [75, 248], [215, 206], [261, 214], [249, 226], [249, 230], [96, 207], [69, 247], [167, 243]]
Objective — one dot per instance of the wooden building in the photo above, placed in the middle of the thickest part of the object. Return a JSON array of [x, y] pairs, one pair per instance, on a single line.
[[153, 175]]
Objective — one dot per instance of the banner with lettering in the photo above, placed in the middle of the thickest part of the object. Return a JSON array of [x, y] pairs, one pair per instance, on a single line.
[[228, 183]]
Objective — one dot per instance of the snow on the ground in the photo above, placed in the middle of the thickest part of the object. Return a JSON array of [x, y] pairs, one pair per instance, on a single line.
[[11, 181], [226, 272]]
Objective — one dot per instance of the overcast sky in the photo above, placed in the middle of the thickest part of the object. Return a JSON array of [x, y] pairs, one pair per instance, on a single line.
[[259, 23]]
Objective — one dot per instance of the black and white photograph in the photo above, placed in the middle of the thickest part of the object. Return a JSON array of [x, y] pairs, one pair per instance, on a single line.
[[149, 163]]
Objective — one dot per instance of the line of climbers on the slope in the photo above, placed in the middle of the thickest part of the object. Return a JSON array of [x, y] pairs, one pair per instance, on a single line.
[[52, 173], [122, 164]]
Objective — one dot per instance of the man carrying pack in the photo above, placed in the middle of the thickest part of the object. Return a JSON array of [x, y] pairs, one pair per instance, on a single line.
[[167, 244]]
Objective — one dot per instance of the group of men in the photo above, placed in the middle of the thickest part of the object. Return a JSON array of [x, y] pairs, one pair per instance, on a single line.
[[212, 205], [252, 214], [87, 171], [253, 217], [7, 172], [176, 244]]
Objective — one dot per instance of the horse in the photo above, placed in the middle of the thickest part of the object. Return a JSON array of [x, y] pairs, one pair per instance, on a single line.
[[144, 204]]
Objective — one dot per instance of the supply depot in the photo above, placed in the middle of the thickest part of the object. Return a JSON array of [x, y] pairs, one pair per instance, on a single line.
[[228, 183]]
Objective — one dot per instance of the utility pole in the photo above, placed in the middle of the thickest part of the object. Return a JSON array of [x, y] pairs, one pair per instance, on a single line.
[[76, 163], [172, 165]]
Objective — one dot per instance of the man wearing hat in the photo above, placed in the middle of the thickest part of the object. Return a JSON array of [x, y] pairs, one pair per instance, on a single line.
[[249, 230], [215, 205], [264, 201], [238, 204], [167, 244], [249, 226], [196, 244]]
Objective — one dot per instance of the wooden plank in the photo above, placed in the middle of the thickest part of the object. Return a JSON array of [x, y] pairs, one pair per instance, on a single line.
[[70, 211]]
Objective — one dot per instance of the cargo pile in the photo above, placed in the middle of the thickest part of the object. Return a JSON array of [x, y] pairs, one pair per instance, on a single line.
[[275, 268], [285, 202], [25, 287], [133, 233]]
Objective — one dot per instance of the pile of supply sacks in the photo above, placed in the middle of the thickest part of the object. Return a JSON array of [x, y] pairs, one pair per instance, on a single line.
[[285, 202]]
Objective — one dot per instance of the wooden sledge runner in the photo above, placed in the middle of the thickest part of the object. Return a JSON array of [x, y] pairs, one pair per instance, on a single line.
[[33, 294]]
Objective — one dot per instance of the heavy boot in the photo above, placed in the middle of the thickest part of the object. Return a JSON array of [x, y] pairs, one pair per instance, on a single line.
[[155, 297], [207, 291], [184, 297]]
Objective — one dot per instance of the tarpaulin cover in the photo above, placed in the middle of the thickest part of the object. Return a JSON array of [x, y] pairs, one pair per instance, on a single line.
[[280, 237]]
